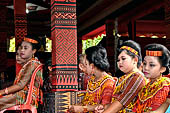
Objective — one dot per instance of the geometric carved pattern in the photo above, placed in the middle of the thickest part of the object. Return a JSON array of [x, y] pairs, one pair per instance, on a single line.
[[64, 80], [64, 52], [64, 99], [66, 46], [63, 15], [20, 27]]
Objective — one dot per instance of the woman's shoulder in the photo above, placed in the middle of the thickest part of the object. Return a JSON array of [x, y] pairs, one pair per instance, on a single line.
[[35, 60], [108, 79], [166, 81], [32, 63], [138, 74]]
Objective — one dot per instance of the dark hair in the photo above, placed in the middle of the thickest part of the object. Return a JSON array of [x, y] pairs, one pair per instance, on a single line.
[[164, 59], [34, 45], [18, 46], [48, 62], [134, 45], [98, 56], [80, 59]]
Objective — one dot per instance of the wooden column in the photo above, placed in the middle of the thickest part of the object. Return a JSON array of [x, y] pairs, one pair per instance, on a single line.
[[132, 30], [3, 35], [20, 20], [167, 22], [64, 52], [111, 44]]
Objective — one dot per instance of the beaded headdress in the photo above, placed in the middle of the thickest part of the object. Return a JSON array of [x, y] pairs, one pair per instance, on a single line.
[[130, 49], [30, 40], [153, 53]]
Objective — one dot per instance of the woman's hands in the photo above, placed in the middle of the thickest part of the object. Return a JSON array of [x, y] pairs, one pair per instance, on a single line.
[[75, 108], [99, 109]]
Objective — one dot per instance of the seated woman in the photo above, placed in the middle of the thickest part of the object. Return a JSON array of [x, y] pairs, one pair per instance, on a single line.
[[17, 93], [154, 94], [124, 96], [101, 85]]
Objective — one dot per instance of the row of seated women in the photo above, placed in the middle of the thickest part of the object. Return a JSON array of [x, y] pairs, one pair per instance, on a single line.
[[133, 92], [142, 89], [18, 93]]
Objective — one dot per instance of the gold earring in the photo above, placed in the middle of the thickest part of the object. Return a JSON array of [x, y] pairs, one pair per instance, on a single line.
[[92, 72], [32, 55]]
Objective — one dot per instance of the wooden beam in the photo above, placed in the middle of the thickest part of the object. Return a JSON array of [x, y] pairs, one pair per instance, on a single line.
[[145, 26], [140, 11], [103, 13]]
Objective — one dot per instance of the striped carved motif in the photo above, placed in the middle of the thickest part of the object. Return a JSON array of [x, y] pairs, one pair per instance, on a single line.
[[64, 42]]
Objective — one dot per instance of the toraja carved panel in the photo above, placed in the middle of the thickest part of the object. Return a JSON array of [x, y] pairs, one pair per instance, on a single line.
[[64, 52], [58, 102], [20, 27], [64, 32], [66, 46], [64, 99], [64, 80]]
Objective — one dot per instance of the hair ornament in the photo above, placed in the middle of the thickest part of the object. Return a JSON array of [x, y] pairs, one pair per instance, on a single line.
[[153, 53], [130, 49], [30, 40]]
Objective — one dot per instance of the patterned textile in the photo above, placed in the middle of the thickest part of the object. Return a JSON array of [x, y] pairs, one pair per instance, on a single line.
[[23, 80], [99, 92], [153, 95], [27, 70], [18, 68], [127, 89]]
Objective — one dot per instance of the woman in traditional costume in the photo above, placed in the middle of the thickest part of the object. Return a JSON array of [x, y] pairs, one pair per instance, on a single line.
[[154, 94], [17, 93], [101, 85], [124, 96]]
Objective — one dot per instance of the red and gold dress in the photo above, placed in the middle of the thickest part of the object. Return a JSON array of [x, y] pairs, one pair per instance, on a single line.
[[152, 96], [99, 92], [23, 81], [127, 90]]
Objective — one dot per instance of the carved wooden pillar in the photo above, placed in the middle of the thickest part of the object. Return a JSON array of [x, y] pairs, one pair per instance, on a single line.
[[20, 20], [64, 52]]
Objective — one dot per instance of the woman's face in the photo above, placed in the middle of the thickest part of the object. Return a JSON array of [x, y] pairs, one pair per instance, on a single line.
[[125, 62], [26, 50], [19, 60], [88, 69], [152, 67]]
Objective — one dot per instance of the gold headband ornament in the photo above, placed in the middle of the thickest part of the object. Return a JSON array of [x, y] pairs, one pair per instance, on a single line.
[[130, 49], [30, 40], [153, 53]]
